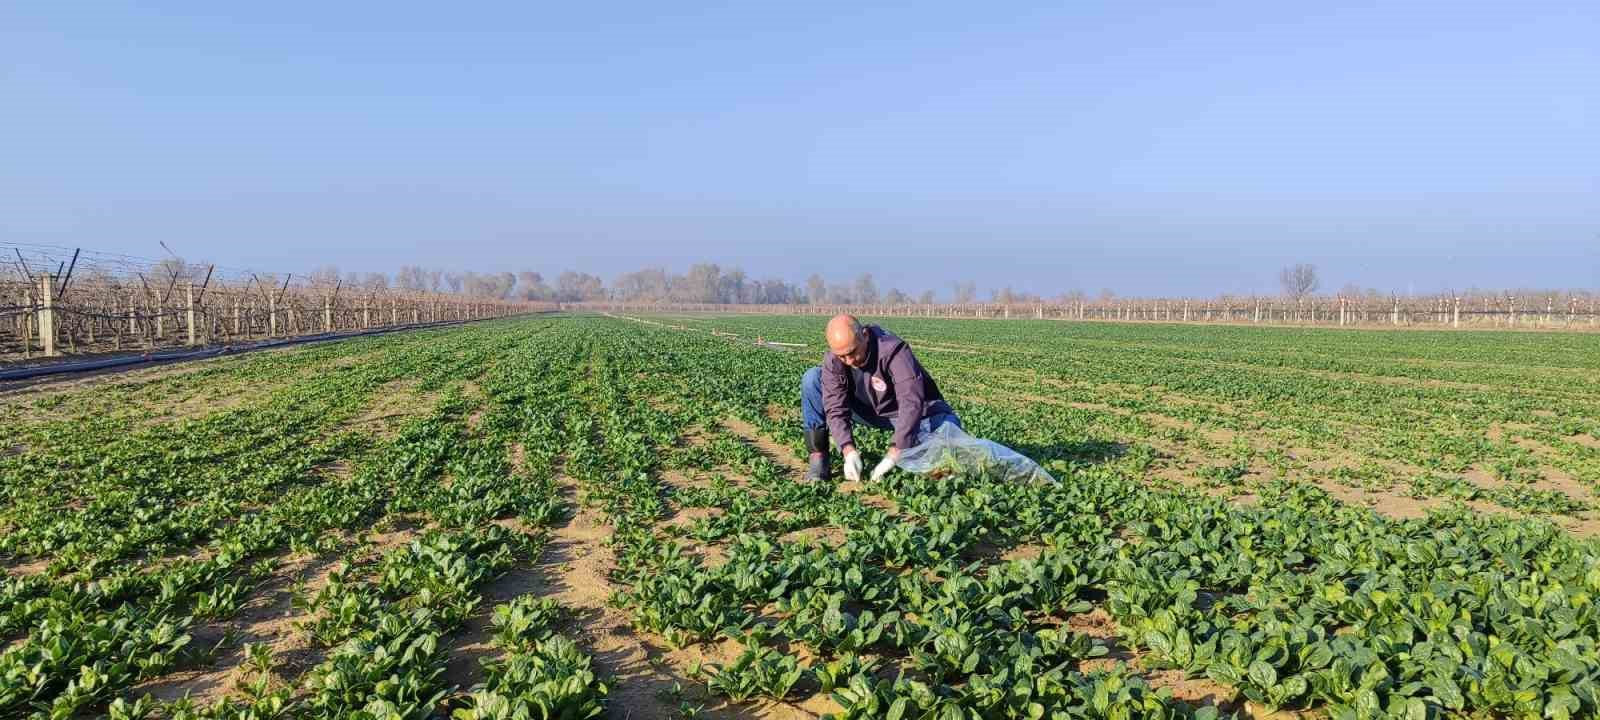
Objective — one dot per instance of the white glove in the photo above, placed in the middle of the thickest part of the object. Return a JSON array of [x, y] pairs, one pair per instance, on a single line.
[[883, 468], [852, 466]]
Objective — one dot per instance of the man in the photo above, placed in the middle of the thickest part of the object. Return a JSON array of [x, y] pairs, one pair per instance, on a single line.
[[868, 376]]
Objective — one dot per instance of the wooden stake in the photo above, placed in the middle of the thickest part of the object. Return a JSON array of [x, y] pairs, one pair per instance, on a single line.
[[47, 314]]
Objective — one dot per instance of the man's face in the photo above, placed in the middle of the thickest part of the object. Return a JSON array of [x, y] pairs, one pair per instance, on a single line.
[[856, 355]]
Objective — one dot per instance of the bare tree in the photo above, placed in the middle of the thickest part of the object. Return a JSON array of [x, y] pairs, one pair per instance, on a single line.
[[325, 277], [774, 291], [895, 297], [866, 291], [505, 284], [530, 286], [816, 289], [411, 277], [1298, 281], [702, 285], [926, 298], [731, 287], [965, 292]]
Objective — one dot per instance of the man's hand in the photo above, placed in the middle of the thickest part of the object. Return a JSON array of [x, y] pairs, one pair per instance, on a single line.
[[852, 465], [886, 464]]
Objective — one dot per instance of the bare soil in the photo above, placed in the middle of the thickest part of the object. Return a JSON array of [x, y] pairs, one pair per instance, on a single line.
[[470, 645], [1099, 625], [267, 617], [774, 451], [390, 406]]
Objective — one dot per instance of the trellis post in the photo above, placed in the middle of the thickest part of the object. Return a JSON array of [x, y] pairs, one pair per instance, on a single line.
[[189, 312], [47, 314]]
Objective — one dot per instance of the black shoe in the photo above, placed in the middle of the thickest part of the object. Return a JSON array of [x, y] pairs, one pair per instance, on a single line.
[[821, 462]]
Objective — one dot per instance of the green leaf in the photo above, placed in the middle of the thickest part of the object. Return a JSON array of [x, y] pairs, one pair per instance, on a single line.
[[1263, 675], [897, 710], [1561, 705], [1447, 693]]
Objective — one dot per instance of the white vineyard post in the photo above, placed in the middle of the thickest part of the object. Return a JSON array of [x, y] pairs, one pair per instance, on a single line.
[[47, 314], [189, 312], [272, 316], [327, 313]]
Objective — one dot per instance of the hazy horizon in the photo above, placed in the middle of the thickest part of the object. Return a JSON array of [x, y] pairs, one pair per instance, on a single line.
[[1154, 150]]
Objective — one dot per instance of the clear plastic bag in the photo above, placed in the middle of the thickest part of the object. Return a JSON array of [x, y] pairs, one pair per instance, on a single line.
[[949, 449]]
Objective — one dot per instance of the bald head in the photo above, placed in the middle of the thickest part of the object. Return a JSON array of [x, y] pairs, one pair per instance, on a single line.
[[847, 339]]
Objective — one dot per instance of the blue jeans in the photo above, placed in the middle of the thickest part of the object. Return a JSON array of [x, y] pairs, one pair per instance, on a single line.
[[812, 415]]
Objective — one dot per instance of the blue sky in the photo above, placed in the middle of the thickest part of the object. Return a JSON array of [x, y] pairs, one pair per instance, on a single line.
[[1144, 147]]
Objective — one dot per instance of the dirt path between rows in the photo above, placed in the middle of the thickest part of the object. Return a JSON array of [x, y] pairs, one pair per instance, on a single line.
[[649, 680], [268, 617], [775, 451]]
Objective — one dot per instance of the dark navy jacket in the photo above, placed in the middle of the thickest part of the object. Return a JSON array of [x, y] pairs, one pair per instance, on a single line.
[[891, 386]]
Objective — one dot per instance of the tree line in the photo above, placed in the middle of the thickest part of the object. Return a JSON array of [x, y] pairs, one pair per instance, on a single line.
[[710, 283], [707, 283]]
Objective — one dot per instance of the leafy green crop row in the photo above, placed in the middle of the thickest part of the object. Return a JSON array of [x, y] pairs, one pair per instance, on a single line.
[[1298, 602], [957, 597], [121, 616]]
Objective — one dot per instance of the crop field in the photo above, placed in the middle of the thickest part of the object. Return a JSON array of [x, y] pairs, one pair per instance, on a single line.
[[586, 516]]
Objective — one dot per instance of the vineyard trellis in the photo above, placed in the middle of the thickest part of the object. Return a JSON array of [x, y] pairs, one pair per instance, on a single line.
[[56, 301], [1546, 312]]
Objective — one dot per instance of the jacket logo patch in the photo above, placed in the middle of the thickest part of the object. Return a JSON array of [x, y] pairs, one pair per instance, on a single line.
[[879, 385]]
